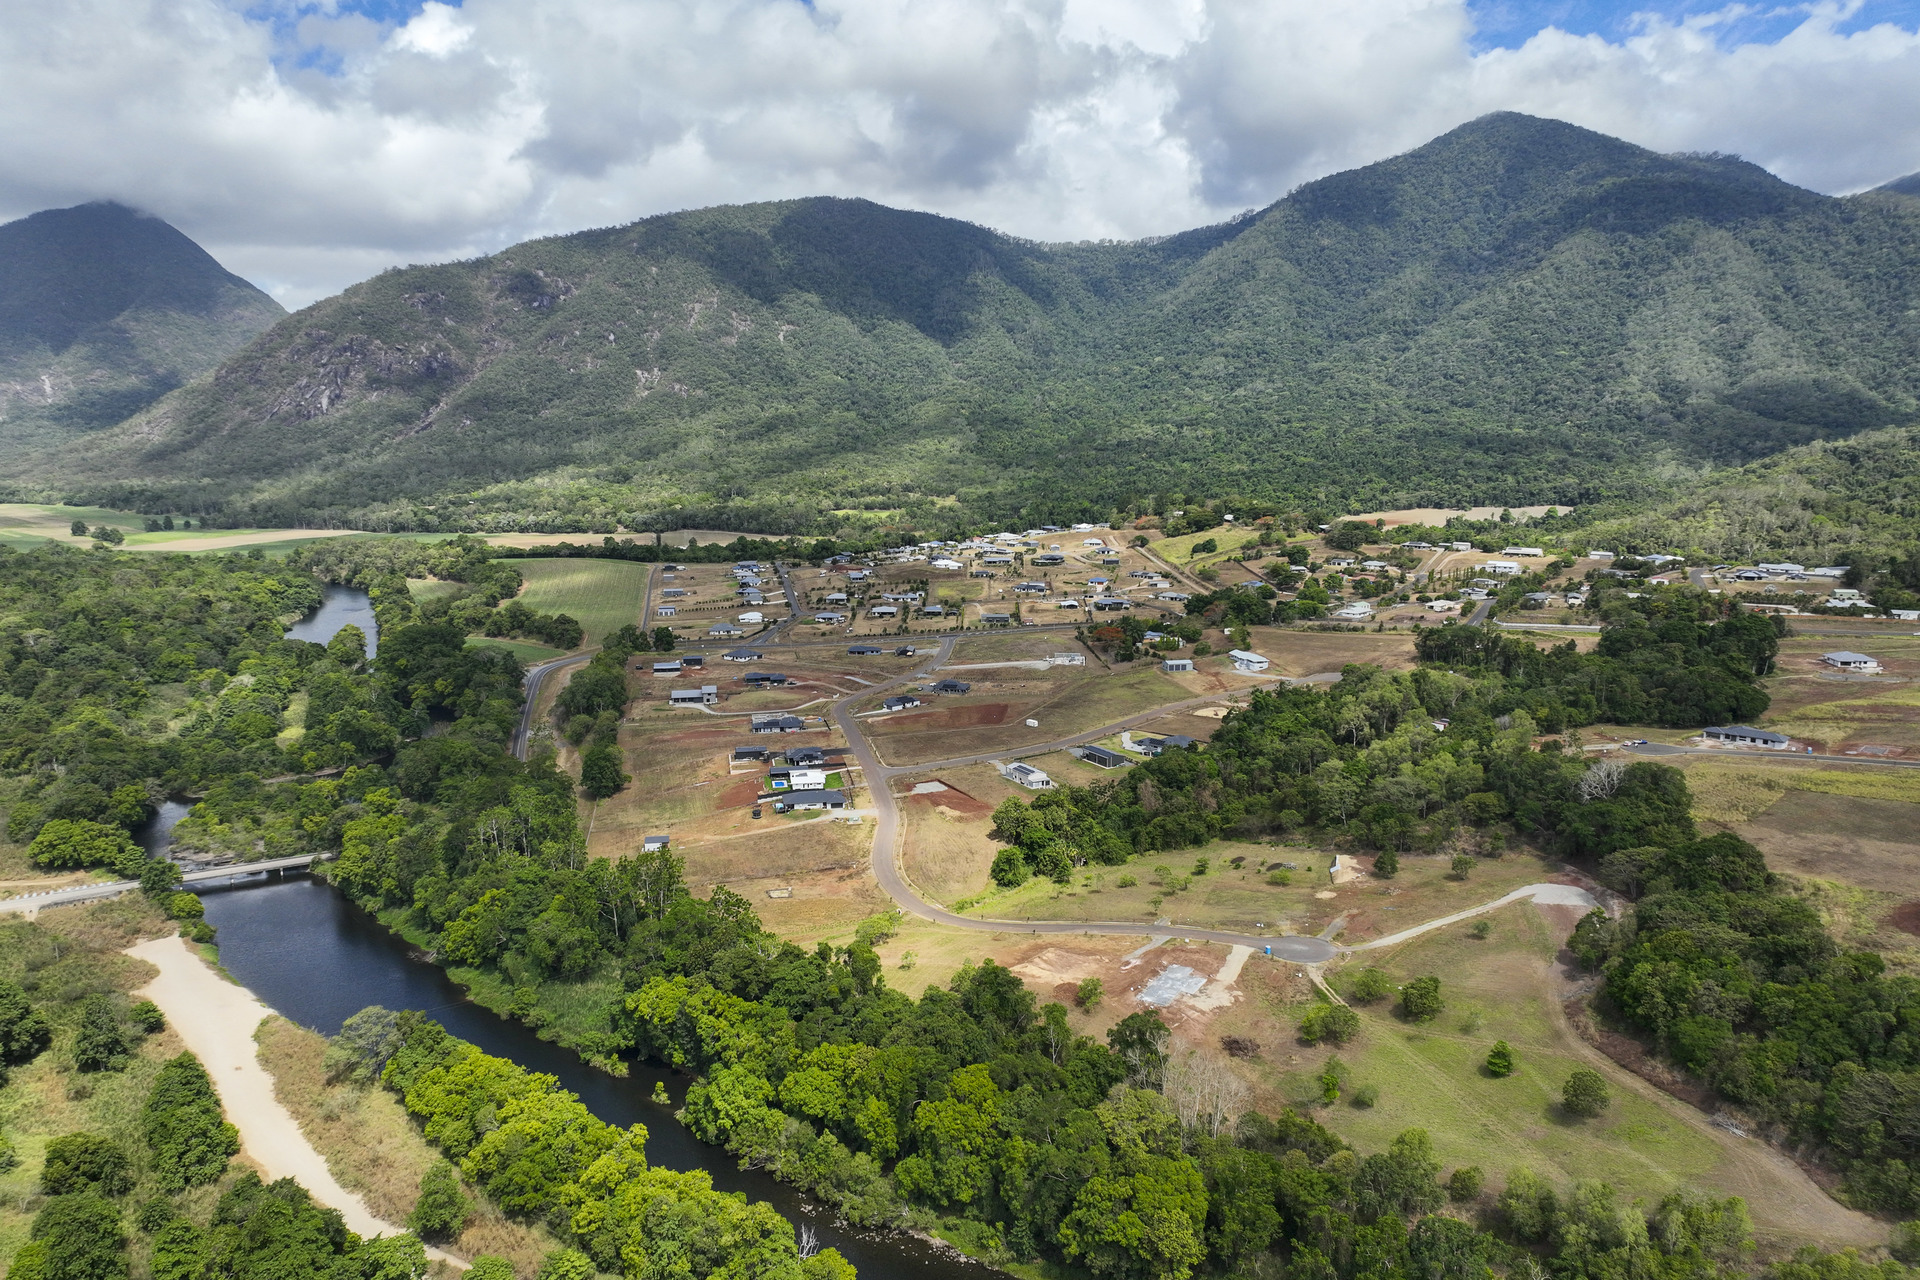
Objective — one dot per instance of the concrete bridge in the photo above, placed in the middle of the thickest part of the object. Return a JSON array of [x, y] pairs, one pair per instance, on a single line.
[[32, 902]]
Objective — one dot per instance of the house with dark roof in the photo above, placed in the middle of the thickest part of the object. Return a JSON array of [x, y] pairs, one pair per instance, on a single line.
[[804, 757], [742, 655], [776, 724], [800, 801], [903, 702], [952, 686], [1101, 757], [863, 650], [761, 679], [1742, 735]]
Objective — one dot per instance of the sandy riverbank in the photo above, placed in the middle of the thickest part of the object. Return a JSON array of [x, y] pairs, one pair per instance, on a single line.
[[217, 1020]]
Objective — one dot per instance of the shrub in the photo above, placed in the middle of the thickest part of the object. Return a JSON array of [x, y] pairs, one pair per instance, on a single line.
[[1481, 929], [1466, 1184], [566, 1264], [491, 1266], [1200, 866], [1462, 865], [442, 1209], [1585, 1094], [1330, 1080], [102, 1043], [24, 1031], [69, 843], [600, 772], [1905, 1244], [146, 1015], [1386, 864], [1372, 985], [1010, 868], [185, 906], [1089, 993], [1500, 1059], [1281, 877], [1420, 999], [1334, 1022], [1366, 1095], [1127, 882], [190, 1140], [75, 1237], [81, 1162]]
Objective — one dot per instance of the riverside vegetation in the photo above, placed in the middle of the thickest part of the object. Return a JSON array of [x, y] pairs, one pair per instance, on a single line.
[[972, 1108], [1517, 311]]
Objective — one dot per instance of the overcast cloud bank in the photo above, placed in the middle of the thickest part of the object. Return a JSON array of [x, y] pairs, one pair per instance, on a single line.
[[308, 145]]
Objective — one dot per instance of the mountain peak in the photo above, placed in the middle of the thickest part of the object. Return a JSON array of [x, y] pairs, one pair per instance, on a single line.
[[1907, 186], [103, 309]]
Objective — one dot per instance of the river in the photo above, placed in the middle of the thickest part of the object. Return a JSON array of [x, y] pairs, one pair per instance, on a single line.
[[339, 607], [309, 953], [316, 958]]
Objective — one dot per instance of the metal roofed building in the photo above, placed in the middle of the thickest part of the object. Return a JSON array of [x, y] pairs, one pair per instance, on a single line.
[[1742, 735]]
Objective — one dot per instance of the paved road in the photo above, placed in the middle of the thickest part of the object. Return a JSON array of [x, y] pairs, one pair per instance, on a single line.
[[535, 677], [1480, 612], [1548, 626], [94, 892], [886, 841], [1766, 757]]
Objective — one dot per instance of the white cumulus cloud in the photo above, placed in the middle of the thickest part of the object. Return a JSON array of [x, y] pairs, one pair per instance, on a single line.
[[308, 145]]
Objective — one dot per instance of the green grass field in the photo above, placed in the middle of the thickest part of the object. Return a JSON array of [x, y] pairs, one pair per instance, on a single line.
[[527, 653], [604, 595], [1431, 1076]]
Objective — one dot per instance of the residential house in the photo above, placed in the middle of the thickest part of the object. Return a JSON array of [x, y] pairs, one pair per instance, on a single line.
[[655, 844], [1741, 735], [725, 631], [1101, 758], [905, 651], [1111, 604], [1027, 776], [804, 757], [742, 655], [705, 695], [1523, 551], [864, 650], [830, 618], [1177, 664], [902, 702], [952, 686], [1047, 560], [764, 679], [800, 801], [1358, 611], [1246, 662], [752, 618], [1030, 588], [934, 611], [943, 562], [1504, 567], [996, 619], [744, 754], [1847, 660], [776, 724], [883, 611], [796, 779], [665, 611]]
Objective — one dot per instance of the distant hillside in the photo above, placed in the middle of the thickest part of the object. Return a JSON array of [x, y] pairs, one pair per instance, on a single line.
[[1518, 311], [1907, 186], [104, 310], [1852, 501]]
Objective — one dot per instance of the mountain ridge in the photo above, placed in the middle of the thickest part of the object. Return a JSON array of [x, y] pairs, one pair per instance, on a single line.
[[103, 310], [1519, 309]]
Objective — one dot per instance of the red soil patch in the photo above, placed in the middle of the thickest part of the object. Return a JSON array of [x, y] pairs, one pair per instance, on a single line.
[[955, 799], [1906, 918], [740, 794]]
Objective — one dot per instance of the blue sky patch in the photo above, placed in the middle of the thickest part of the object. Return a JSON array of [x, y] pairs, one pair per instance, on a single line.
[[1508, 24]]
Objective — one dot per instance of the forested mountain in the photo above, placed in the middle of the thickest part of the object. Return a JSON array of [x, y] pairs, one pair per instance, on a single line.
[[1520, 309], [1854, 501], [104, 310]]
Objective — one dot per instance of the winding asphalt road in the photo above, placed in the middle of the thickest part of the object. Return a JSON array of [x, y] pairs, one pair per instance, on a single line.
[[886, 841]]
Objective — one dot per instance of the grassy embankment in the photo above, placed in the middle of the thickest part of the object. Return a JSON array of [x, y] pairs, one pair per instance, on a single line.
[[373, 1147]]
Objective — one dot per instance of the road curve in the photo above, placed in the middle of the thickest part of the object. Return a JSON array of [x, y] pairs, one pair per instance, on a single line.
[[886, 846], [535, 677]]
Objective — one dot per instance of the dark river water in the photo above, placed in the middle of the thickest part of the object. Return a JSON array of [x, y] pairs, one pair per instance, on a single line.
[[339, 606], [313, 956]]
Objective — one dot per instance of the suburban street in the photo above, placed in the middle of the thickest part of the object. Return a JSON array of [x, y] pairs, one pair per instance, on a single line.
[[886, 840]]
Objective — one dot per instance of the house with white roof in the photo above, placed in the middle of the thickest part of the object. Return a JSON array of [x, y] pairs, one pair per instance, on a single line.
[[1247, 662], [1847, 660]]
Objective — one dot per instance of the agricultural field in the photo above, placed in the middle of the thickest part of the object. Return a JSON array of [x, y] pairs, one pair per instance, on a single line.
[[604, 595], [1871, 715]]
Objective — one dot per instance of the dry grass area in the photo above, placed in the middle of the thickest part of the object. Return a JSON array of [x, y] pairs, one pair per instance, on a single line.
[[1229, 897], [373, 1148], [1305, 653], [1065, 700], [1730, 793]]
